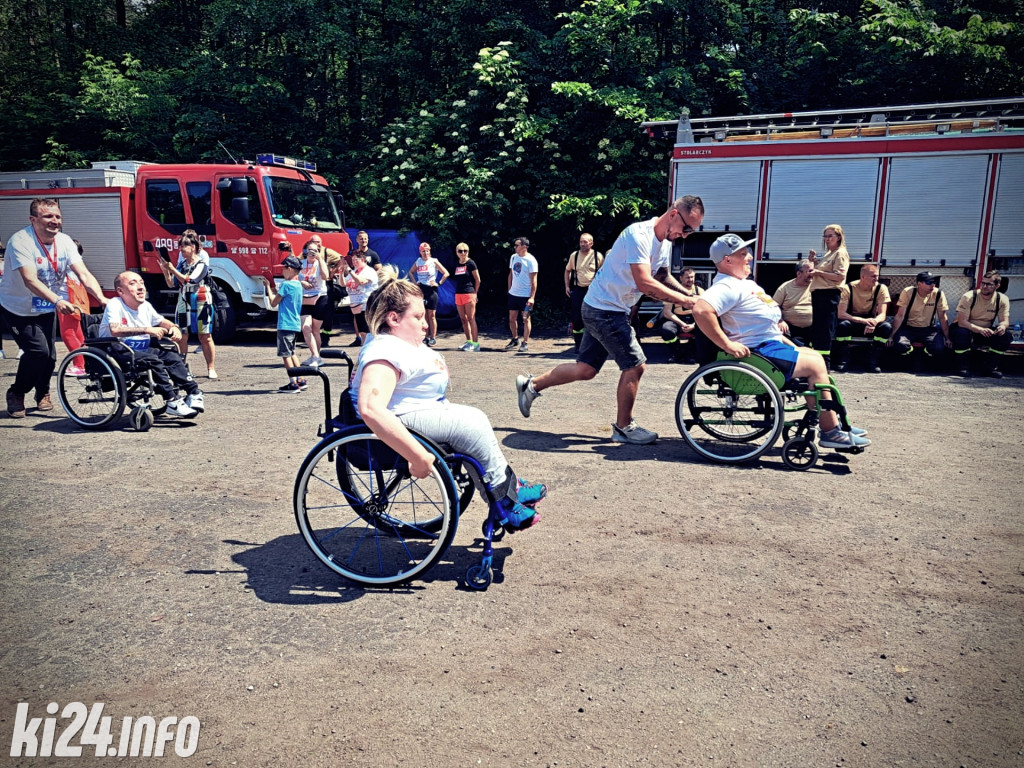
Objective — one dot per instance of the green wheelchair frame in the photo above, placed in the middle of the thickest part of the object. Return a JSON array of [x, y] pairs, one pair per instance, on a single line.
[[733, 411]]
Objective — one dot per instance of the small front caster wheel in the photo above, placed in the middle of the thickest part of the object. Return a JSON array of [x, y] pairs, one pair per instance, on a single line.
[[478, 577], [799, 453]]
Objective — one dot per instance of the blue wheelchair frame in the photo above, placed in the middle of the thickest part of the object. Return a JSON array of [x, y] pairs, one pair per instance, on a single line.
[[381, 476]]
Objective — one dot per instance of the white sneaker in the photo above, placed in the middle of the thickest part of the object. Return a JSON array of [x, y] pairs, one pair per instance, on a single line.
[[212, 374], [2, 355], [474, 346], [195, 402], [466, 347], [180, 408], [633, 434], [314, 361]]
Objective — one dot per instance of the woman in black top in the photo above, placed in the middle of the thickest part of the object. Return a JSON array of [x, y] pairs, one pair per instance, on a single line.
[[467, 285]]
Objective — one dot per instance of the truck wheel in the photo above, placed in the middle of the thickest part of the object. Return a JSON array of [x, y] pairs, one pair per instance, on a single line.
[[226, 323]]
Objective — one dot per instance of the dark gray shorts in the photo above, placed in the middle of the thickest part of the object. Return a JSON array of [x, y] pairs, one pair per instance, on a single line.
[[609, 334], [286, 343]]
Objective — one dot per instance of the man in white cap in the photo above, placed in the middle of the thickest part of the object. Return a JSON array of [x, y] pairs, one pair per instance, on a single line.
[[740, 318], [637, 264]]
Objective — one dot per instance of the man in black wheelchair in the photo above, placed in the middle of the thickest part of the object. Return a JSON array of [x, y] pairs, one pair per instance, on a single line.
[[133, 320], [740, 318]]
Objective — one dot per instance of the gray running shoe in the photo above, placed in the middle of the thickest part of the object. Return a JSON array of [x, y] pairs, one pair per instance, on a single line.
[[633, 434], [526, 395], [836, 438]]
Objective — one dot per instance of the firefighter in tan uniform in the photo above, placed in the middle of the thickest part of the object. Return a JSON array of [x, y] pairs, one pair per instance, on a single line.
[[918, 307], [794, 298], [863, 306], [982, 322]]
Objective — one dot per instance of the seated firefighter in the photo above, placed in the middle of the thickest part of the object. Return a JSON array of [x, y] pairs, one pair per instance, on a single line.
[[740, 318], [982, 324], [918, 308], [133, 320], [678, 329], [794, 299], [863, 306]]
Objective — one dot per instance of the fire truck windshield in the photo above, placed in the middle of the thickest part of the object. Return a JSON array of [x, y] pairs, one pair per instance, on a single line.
[[297, 203]]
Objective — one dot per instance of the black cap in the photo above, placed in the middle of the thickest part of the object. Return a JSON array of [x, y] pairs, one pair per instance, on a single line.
[[925, 277], [292, 263]]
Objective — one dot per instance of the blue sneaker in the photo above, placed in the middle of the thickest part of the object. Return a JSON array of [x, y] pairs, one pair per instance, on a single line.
[[516, 516], [530, 494]]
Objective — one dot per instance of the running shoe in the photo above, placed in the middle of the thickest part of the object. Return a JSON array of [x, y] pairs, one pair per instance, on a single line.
[[526, 394], [195, 402], [290, 387], [527, 493], [633, 434], [515, 516], [180, 408], [512, 345], [836, 438]]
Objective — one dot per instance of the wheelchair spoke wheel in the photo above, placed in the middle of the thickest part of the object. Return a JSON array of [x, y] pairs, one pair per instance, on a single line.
[[365, 517], [729, 412], [97, 399]]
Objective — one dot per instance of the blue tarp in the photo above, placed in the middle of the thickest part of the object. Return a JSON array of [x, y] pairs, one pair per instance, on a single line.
[[401, 250]]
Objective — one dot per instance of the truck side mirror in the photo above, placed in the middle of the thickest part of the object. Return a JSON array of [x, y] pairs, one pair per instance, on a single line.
[[240, 210], [239, 187]]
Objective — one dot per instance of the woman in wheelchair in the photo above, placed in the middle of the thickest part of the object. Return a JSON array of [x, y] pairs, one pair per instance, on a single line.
[[740, 318], [401, 384], [133, 320]]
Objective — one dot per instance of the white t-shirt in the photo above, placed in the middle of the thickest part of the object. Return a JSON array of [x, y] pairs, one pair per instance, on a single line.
[[748, 315], [613, 288], [117, 313], [422, 373], [23, 249], [522, 267], [358, 294], [425, 272]]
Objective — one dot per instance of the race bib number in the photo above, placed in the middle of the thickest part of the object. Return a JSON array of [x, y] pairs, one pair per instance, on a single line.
[[40, 305], [138, 344]]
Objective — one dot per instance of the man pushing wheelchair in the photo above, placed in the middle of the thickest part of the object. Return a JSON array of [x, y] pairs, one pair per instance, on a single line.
[[741, 319]]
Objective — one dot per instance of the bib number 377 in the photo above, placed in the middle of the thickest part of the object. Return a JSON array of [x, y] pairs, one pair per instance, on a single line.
[[136, 737]]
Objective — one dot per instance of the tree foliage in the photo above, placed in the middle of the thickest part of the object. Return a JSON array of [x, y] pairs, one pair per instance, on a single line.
[[470, 119]]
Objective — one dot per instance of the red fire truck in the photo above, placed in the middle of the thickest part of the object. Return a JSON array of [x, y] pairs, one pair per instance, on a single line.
[[125, 212], [936, 187]]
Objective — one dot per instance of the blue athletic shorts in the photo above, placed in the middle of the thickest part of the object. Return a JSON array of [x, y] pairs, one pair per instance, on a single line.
[[782, 355]]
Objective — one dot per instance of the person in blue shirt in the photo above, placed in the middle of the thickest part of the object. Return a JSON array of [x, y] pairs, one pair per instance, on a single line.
[[287, 297]]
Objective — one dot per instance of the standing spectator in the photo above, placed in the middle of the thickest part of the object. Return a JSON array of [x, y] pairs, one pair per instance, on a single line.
[[194, 311], [637, 264], [360, 281], [40, 257], [863, 307], [2, 325], [579, 274], [794, 298], [335, 293], [424, 272], [678, 328], [467, 288], [827, 276], [71, 325], [372, 259], [287, 297], [982, 322], [522, 291], [370, 256], [916, 311], [313, 278]]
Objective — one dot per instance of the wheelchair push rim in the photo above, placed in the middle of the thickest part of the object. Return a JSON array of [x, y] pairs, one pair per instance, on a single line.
[[370, 520], [729, 412]]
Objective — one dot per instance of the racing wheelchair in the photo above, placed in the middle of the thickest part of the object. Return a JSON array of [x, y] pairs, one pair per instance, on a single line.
[[733, 411], [367, 518], [113, 381]]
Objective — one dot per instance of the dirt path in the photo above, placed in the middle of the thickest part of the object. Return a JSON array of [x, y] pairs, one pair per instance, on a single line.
[[666, 611]]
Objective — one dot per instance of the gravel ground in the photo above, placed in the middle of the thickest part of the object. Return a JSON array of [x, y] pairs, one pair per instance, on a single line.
[[667, 611]]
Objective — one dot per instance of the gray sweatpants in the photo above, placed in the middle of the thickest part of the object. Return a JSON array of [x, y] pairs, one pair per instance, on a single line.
[[467, 430]]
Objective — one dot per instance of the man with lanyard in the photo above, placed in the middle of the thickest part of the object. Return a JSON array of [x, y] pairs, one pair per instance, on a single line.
[[917, 308], [133, 320], [740, 318], [38, 260], [637, 264], [579, 274]]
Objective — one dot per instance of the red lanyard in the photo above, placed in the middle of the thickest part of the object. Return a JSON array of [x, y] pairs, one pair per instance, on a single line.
[[49, 258]]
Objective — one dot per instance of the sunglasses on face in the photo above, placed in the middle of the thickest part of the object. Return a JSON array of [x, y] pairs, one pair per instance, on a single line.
[[463, 250]]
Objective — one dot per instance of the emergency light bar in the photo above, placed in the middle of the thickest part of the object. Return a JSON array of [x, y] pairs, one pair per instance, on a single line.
[[290, 162]]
